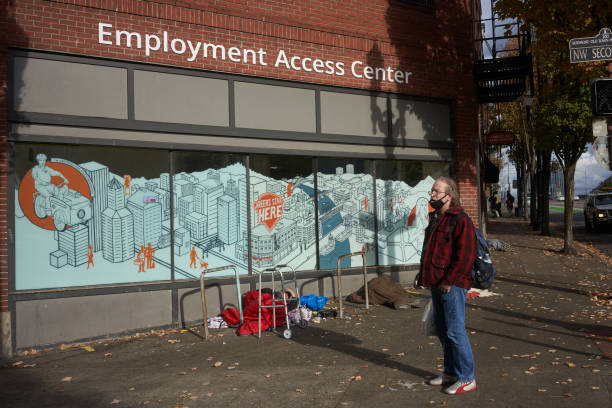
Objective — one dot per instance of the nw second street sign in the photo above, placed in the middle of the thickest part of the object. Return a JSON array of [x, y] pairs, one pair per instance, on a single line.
[[587, 49]]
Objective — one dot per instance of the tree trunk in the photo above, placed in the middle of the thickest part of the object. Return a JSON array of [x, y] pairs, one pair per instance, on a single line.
[[533, 212], [525, 182], [568, 213], [545, 227]]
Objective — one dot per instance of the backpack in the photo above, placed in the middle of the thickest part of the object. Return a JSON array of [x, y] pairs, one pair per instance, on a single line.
[[483, 271]]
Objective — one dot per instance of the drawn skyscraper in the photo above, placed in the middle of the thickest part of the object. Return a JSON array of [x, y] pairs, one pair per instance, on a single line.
[[227, 219], [164, 181], [74, 241], [98, 174], [195, 223], [147, 219], [206, 194], [117, 226], [185, 206]]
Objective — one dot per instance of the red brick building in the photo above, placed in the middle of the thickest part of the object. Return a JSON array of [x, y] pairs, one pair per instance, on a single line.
[[146, 142]]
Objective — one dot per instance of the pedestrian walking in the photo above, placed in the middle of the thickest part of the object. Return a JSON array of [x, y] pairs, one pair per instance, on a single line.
[[509, 201], [449, 250], [498, 203]]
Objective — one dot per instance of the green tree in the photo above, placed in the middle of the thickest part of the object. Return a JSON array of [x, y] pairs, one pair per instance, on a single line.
[[563, 117]]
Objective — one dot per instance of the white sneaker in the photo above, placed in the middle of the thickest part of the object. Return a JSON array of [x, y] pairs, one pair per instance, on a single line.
[[461, 387], [443, 379]]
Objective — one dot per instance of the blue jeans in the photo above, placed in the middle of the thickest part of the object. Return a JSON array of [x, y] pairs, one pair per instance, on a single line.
[[449, 318]]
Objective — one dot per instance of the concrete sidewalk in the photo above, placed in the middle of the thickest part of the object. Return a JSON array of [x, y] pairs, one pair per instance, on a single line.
[[544, 338]]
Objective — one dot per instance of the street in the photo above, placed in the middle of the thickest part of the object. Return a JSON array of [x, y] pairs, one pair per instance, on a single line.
[[601, 239]]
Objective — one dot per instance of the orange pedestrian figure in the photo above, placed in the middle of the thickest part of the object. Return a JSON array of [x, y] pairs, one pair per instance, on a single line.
[[127, 180], [193, 255], [289, 187], [140, 259], [365, 204], [149, 252], [90, 256]]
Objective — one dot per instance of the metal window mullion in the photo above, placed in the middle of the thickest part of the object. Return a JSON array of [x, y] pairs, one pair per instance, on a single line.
[[375, 212], [248, 203], [316, 209]]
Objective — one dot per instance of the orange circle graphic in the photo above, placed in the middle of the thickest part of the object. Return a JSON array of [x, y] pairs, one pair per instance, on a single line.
[[76, 182]]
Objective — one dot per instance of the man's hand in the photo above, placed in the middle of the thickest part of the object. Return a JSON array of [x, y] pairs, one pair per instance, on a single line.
[[444, 288]]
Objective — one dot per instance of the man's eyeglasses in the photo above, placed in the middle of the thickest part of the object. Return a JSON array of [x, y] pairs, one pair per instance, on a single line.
[[434, 191]]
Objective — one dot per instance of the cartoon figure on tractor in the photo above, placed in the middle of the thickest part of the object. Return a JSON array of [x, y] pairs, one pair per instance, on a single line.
[[66, 206]]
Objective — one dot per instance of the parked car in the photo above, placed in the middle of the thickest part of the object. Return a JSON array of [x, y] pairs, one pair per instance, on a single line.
[[598, 210]]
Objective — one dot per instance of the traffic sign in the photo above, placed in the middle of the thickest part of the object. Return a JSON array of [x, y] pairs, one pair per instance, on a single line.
[[587, 49], [504, 137]]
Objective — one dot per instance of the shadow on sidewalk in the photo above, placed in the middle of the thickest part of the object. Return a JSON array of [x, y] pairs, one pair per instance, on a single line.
[[525, 281], [599, 330], [347, 344]]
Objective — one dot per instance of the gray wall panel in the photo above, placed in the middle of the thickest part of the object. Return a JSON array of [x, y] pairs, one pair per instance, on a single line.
[[349, 114], [69, 88], [52, 321], [274, 107], [421, 120], [171, 98]]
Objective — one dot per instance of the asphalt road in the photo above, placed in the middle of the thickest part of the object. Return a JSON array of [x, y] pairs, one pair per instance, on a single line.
[[601, 239]]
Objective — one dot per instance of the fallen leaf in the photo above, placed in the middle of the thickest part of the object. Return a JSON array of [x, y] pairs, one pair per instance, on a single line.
[[572, 365], [231, 367], [18, 363], [318, 373], [298, 390], [210, 394], [267, 375], [542, 390], [108, 354], [594, 388], [384, 349], [88, 348], [115, 401], [66, 379], [218, 364], [172, 341]]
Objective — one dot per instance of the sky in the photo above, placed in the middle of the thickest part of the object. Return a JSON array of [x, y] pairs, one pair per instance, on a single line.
[[588, 173]]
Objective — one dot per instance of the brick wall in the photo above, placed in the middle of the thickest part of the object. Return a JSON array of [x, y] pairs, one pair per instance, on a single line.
[[434, 44]]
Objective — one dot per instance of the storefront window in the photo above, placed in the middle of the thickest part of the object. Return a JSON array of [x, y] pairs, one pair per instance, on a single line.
[[89, 216], [402, 191], [346, 212], [282, 212], [209, 226]]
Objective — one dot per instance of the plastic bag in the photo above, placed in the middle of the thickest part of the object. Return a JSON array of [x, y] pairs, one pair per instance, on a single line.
[[427, 320], [313, 302]]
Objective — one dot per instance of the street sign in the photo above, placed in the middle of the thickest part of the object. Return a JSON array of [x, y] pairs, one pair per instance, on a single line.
[[601, 153], [504, 137], [587, 49], [600, 127]]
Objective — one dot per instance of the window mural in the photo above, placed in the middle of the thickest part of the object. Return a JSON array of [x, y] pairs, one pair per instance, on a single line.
[[346, 212], [89, 216], [282, 212], [209, 227], [402, 192]]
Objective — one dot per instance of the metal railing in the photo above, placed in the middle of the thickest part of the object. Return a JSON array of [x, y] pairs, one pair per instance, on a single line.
[[365, 280], [203, 292]]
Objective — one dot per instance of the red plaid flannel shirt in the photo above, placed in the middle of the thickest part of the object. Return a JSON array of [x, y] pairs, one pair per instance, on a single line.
[[445, 259]]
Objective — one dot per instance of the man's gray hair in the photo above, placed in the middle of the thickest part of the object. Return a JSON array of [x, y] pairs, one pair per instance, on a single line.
[[451, 189]]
